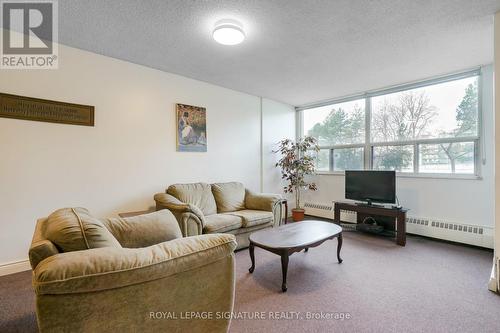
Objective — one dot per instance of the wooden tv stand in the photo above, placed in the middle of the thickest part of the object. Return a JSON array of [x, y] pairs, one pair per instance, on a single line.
[[399, 216]]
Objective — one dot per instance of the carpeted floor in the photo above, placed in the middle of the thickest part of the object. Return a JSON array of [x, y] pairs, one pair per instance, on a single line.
[[17, 303], [427, 286]]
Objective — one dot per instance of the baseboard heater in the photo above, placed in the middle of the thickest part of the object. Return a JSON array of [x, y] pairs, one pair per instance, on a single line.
[[431, 227]]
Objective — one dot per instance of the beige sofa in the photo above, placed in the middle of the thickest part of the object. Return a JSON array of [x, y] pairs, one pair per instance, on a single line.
[[202, 208], [129, 275]]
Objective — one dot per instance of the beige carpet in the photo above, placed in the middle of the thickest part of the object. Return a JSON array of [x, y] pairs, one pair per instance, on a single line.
[[427, 286]]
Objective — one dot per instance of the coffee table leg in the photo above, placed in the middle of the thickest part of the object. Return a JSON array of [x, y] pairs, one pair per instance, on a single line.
[[252, 257], [339, 246], [284, 269]]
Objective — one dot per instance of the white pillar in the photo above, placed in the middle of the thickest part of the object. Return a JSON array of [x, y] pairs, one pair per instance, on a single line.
[[494, 282]]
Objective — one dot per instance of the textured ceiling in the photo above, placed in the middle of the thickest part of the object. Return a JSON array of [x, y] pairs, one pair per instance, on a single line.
[[296, 51]]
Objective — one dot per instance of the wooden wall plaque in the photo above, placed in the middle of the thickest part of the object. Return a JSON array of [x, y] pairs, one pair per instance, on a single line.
[[27, 108]]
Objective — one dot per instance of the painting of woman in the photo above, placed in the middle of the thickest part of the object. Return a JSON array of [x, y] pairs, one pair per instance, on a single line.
[[191, 128]]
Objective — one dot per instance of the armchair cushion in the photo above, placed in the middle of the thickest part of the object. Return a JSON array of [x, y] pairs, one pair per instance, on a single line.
[[253, 217], [144, 230], [229, 197], [109, 268], [197, 194], [221, 223], [74, 229]]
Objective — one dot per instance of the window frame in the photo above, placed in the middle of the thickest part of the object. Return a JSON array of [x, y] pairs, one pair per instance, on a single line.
[[368, 145]]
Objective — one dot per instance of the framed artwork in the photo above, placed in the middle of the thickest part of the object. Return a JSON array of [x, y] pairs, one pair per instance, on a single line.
[[28, 108], [191, 128]]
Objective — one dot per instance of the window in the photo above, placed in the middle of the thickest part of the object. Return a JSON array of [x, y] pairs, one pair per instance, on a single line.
[[455, 157], [445, 110], [429, 128], [323, 160], [399, 158], [342, 123], [348, 159]]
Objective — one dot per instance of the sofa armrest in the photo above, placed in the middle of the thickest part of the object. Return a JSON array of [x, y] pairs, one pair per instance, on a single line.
[[266, 201], [164, 200], [40, 247], [39, 250], [261, 201], [190, 218], [108, 268]]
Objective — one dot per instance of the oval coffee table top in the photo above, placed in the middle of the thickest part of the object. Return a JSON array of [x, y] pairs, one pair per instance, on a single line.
[[297, 234]]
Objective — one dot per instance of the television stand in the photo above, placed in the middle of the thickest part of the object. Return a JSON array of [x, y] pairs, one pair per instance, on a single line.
[[399, 215], [368, 204]]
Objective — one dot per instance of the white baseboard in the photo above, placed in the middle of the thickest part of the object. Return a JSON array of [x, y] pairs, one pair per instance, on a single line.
[[14, 267]]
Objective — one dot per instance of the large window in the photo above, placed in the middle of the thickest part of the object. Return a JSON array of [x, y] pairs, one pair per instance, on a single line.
[[428, 128], [337, 124]]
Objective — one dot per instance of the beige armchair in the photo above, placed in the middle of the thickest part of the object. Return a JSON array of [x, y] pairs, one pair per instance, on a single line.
[[202, 208], [129, 274]]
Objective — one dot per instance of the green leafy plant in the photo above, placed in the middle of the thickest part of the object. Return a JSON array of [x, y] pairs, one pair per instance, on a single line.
[[297, 162]]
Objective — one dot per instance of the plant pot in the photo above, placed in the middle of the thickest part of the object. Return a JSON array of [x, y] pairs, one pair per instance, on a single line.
[[297, 214]]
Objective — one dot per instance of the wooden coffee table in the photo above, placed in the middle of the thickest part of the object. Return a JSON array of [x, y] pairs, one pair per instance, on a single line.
[[290, 238]]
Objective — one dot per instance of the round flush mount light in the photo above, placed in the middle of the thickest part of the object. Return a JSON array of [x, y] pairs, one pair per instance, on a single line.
[[228, 32]]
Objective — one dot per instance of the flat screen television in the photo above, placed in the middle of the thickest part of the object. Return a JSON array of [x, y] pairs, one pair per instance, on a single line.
[[371, 186]]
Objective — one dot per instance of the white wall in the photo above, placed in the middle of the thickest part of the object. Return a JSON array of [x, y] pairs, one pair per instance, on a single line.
[[129, 155], [278, 123], [463, 201]]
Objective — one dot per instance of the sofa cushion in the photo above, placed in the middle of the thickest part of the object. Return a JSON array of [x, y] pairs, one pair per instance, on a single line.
[[221, 223], [74, 229], [229, 197], [253, 217], [198, 194], [144, 230]]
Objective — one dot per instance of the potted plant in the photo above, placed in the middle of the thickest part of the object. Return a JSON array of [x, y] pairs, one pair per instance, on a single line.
[[296, 164]]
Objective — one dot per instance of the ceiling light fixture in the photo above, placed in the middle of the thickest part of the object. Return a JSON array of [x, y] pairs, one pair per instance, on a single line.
[[228, 32]]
